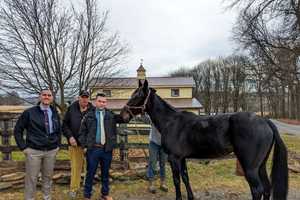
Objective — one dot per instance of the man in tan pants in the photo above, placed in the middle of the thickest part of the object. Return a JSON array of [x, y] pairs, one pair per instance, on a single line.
[[39, 161], [41, 124], [71, 126]]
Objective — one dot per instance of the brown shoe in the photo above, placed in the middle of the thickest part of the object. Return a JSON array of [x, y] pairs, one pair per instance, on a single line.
[[163, 187], [151, 187], [106, 198]]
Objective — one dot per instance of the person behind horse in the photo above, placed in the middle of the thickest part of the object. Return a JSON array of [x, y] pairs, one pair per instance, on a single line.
[[156, 152], [41, 124], [98, 134], [71, 126]]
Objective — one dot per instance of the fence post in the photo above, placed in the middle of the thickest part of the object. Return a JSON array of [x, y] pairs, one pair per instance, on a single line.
[[6, 135], [124, 147]]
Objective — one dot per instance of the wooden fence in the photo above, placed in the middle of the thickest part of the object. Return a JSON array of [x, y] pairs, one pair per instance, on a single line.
[[7, 122]]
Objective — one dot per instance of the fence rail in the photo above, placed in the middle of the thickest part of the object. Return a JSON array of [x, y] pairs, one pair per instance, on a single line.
[[7, 121]]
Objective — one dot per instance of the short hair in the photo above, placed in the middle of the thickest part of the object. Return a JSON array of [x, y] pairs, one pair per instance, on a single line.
[[100, 95], [44, 89]]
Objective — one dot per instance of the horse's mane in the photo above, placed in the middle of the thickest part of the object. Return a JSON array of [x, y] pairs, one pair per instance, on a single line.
[[166, 104]]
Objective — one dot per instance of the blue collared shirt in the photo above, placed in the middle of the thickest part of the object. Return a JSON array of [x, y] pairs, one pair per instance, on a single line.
[[99, 112], [49, 111]]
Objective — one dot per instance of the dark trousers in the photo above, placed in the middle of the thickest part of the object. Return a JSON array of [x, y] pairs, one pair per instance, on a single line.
[[95, 156]]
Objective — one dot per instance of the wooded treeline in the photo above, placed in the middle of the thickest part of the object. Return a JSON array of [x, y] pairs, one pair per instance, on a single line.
[[265, 78]]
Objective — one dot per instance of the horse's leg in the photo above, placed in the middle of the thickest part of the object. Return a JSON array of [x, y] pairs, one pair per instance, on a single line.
[[265, 181], [185, 178], [252, 140], [256, 186], [175, 166], [264, 177], [254, 166]]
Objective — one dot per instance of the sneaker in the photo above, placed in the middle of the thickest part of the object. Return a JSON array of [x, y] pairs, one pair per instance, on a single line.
[[152, 188], [72, 194], [163, 186]]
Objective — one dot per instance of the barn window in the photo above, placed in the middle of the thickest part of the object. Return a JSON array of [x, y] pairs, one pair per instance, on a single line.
[[175, 92], [107, 93]]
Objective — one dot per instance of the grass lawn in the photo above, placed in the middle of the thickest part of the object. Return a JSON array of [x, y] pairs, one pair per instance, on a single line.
[[217, 175]]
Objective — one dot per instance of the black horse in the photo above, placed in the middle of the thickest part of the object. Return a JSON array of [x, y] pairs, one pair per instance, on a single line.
[[186, 135]]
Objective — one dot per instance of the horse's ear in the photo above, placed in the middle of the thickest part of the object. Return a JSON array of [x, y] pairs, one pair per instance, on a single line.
[[140, 83]]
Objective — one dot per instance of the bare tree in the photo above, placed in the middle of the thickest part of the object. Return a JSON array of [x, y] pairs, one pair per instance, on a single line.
[[271, 29], [225, 85], [238, 66], [45, 45], [220, 83], [217, 94]]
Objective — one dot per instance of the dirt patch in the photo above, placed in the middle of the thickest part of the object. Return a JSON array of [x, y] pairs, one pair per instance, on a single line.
[[207, 195], [212, 194]]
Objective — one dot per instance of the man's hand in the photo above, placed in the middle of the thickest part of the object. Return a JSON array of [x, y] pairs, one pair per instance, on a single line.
[[72, 141], [25, 150]]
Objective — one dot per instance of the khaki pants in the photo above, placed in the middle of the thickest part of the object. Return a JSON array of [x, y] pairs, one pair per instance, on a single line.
[[39, 161], [77, 163]]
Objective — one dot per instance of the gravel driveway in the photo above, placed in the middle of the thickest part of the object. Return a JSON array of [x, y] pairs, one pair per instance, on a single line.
[[287, 128]]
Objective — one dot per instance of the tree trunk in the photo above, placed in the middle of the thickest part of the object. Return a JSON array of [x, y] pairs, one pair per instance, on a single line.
[[282, 109], [260, 101], [62, 102], [294, 102], [298, 100]]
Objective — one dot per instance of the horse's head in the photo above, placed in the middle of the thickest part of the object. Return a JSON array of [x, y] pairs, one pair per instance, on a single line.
[[137, 102]]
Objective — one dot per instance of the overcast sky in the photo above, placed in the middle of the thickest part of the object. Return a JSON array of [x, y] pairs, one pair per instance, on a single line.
[[168, 34]]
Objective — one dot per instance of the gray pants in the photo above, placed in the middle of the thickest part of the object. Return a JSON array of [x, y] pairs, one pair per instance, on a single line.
[[39, 161]]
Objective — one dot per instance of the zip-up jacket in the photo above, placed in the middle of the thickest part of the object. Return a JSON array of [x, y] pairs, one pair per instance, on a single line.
[[32, 124], [88, 129], [72, 120]]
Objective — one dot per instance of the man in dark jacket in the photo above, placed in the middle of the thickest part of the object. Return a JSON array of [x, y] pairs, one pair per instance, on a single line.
[[71, 126], [98, 133], [43, 137]]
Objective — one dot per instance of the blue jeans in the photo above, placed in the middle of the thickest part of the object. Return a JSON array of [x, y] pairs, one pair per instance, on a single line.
[[95, 156], [156, 153]]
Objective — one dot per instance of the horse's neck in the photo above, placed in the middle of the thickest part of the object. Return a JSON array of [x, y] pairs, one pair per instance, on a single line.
[[160, 112]]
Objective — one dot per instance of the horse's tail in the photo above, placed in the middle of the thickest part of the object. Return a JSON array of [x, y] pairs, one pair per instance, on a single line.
[[279, 173]]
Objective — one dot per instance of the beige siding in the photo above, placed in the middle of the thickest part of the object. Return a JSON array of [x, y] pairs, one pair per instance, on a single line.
[[125, 93], [196, 111], [166, 93], [116, 93]]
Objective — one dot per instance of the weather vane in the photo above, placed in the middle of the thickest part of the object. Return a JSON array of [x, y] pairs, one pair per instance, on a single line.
[[142, 61]]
